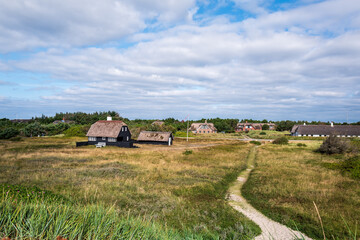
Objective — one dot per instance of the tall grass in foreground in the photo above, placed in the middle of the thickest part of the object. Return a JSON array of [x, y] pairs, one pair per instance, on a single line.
[[47, 221], [182, 192]]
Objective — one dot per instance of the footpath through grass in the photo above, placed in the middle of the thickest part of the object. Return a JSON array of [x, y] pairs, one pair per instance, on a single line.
[[287, 180], [168, 186]]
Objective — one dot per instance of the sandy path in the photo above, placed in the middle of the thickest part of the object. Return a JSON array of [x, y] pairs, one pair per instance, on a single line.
[[270, 229]]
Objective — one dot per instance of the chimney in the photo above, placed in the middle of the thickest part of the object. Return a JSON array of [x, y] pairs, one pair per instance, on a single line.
[[332, 124], [109, 118], [205, 120]]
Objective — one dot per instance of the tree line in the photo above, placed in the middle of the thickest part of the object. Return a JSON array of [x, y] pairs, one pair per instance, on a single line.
[[80, 122]]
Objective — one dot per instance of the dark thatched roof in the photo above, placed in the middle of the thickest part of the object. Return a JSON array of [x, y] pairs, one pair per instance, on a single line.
[[158, 122], [196, 126], [105, 129], [347, 130], [155, 136]]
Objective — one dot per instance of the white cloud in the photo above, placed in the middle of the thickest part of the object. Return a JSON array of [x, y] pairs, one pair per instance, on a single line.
[[328, 94], [46, 23], [270, 66], [327, 17]]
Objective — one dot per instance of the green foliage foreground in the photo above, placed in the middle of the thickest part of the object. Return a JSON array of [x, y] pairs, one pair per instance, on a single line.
[[32, 213], [47, 221]]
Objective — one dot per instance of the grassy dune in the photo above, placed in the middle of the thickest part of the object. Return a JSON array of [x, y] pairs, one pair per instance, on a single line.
[[184, 192], [288, 179]]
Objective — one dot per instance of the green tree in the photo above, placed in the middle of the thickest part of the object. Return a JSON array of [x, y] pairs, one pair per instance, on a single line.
[[76, 131], [9, 133], [34, 129], [265, 127]]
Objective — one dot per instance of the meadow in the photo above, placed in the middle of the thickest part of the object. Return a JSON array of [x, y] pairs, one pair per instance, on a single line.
[[289, 180], [171, 192]]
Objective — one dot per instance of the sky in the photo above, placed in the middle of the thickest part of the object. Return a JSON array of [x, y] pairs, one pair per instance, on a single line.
[[259, 59]]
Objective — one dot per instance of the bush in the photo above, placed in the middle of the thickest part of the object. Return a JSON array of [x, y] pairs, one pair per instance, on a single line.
[[301, 145], [265, 127], [281, 140], [255, 142], [9, 133], [334, 145], [76, 131], [263, 133], [187, 152], [34, 129], [15, 139], [55, 129]]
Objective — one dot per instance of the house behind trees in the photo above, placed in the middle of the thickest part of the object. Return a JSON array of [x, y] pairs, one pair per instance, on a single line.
[[203, 128], [246, 127]]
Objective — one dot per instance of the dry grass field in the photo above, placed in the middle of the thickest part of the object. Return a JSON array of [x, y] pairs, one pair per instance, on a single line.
[[182, 187], [287, 180]]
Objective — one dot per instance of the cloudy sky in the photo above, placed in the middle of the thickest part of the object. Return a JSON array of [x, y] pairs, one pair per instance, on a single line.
[[272, 59]]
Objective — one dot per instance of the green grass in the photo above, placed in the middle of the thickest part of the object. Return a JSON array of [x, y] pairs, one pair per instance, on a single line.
[[24, 220], [17, 193], [184, 192], [287, 180], [259, 134]]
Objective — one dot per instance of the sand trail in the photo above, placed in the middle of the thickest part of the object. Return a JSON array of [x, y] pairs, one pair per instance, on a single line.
[[271, 230]]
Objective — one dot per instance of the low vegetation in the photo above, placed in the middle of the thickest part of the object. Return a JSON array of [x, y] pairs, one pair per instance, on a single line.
[[44, 220], [255, 142], [8, 133], [288, 180], [334, 145], [181, 187], [281, 140]]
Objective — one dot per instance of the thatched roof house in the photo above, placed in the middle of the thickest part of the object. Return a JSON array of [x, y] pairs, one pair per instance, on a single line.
[[104, 128], [63, 121], [240, 127], [326, 130], [203, 127], [158, 122], [115, 133], [155, 137]]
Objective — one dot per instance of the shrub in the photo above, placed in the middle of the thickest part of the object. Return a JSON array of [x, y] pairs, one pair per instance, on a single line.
[[9, 133], [265, 127], [187, 152], [34, 129], [75, 131], [301, 145], [16, 139], [255, 142], [263, 133], [334, 145], [281, 140], [55, 129]]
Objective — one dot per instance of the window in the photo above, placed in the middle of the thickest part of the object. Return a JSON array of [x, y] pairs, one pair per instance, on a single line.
[[92, 139], [111, 139], [103, 138]]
